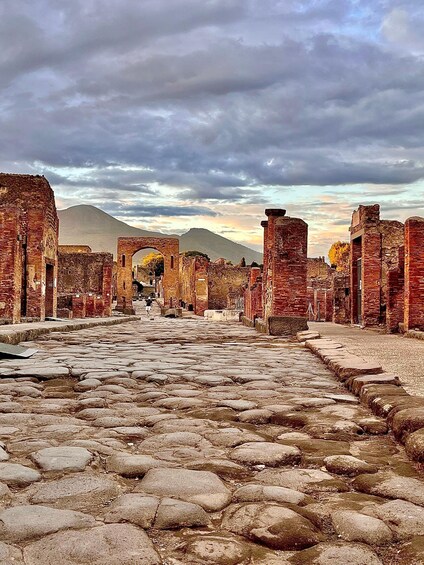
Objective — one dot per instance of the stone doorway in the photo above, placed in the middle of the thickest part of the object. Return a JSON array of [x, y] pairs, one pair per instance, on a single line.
[[49, 291]]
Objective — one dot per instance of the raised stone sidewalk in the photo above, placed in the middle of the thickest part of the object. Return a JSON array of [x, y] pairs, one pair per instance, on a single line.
[[378, 390], [17, 333]]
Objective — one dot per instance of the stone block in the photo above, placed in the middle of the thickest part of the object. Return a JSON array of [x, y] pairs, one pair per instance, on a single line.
[[286, 325]]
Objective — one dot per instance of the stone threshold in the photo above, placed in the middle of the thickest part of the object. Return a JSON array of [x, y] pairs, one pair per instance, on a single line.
[[17, 333], [380, 391]]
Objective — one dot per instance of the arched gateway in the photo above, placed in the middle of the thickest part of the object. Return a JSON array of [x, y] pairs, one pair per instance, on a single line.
[[127, 246]]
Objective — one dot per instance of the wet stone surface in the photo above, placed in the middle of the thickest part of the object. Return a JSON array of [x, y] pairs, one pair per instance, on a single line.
[[182, 441]]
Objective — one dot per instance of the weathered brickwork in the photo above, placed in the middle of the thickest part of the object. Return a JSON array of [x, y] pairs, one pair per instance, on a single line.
[[226, 281], [211, 286], [86, 273], [127, 246], [253, 297], [285, 273], [194, 291], [320, 290], [341, 298], [414, 274], [375, 248], [74, 249], [28, 241]]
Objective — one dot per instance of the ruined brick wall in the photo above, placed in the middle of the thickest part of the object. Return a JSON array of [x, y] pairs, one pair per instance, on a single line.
[[285, 278], [414, 274], [320, 293], [74, 249], [395, 293], [223, 280], [127, 246], [376, 243], [194, 276], [87, 274], [319, 269], [341, 298], [253, 295], [39, 227]]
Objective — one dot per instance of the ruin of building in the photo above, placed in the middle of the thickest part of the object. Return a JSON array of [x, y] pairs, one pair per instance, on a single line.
[[28, 245], [84, 282], [376, 251], [284, 279], [206, 285], [320, 290], [253, 295]]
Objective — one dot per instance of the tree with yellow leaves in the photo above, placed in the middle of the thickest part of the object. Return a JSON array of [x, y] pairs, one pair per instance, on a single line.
[[154, 263], [339, 255]]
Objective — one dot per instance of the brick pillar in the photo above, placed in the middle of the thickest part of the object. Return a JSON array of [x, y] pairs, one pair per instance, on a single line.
[[414, 273], [201, 285], [265, 274], [10, 264], [286, 278], [106, 307], [90, 306], [78, 306], [395, 294]]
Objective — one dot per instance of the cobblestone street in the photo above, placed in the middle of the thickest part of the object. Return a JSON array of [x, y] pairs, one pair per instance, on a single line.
[[182, 441]]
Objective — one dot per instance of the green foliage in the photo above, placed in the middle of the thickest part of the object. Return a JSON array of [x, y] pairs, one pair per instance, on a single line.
[[195, 254]]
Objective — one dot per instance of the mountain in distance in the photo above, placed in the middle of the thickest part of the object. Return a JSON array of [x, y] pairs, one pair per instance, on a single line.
[[88, 225]]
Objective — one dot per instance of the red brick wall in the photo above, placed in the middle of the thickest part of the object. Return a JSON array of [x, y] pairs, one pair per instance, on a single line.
[[341, 298], [253, 295], [414, 273], [90, 274]]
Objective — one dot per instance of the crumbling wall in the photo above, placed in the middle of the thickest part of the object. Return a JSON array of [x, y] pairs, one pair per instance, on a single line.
[[29, 210], [414, 274], [224, 280], [89, 275]]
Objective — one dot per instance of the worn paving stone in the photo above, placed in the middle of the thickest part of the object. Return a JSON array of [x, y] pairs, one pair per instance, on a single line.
[[120, 544], [332, 553], [274, 526], [200, 487], [14, 474], [266, 453], [64, 458], [354, 526], [189, 426], [21, 523]]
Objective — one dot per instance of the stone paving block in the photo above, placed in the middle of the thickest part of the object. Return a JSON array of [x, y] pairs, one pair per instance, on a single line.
[[120, 544]]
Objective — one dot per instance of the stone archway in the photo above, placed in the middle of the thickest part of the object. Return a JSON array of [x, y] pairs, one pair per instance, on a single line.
[[170, 249]]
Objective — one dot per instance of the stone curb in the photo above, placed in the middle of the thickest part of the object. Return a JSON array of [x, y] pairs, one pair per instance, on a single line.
[[415, 334], [380, 391], [15, 335]]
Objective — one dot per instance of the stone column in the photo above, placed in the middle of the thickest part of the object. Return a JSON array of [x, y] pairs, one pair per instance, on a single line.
[[414, 274]]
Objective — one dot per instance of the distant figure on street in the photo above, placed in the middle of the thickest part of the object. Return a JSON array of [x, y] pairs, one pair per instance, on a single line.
[[149, 301]]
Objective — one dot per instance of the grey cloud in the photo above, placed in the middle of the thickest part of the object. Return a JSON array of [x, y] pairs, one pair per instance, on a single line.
[[214, 100], [147, 211]]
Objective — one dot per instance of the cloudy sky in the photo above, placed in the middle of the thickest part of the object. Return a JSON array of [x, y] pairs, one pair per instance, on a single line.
[[171, 114]]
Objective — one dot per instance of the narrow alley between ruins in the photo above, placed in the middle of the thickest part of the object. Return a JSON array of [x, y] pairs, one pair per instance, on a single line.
[[182, 441]]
